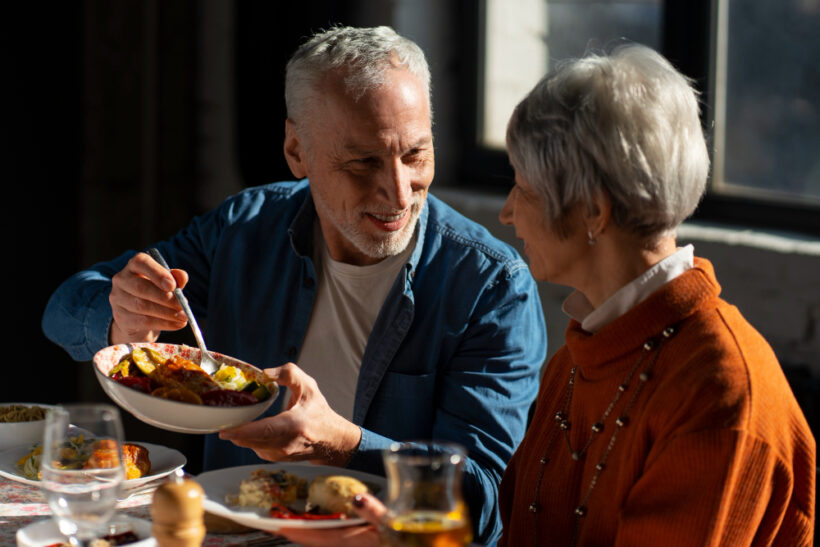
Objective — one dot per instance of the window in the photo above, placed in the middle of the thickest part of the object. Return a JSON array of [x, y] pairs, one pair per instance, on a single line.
[[755, 62], [522, 44], [767, 100]]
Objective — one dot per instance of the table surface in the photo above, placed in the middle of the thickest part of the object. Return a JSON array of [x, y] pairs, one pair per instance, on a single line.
[[23, 504]]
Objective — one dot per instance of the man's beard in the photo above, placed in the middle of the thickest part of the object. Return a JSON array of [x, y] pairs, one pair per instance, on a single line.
[[389, 244]]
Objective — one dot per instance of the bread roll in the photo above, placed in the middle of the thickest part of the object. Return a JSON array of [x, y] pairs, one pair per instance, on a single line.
[[334, 493]]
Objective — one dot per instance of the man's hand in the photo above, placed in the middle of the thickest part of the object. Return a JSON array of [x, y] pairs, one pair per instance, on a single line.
[[143, 302], [308, 430]]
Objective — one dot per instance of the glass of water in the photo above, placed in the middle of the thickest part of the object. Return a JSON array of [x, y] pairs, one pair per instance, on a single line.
[[82, 468]]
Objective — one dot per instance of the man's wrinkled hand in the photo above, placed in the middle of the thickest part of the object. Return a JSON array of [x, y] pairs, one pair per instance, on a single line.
[[307, 430], [142, 301]]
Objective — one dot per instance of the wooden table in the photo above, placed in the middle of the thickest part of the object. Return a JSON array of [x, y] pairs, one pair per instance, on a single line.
[[23, 504]]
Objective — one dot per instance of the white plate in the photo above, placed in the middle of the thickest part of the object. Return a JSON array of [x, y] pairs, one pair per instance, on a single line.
[[223, 482], [174, 415], [45, 532], [164, 461]]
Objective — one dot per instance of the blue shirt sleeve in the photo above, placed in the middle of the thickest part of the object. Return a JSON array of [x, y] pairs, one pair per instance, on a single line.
[[78, 314]]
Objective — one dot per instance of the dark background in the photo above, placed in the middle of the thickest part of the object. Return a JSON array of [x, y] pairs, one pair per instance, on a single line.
[[100, 141]]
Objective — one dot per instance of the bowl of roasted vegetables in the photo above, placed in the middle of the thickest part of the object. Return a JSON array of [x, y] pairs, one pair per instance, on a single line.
[[163, 385]]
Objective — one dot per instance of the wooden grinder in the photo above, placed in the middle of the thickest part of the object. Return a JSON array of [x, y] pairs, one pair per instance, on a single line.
[[176, 513]]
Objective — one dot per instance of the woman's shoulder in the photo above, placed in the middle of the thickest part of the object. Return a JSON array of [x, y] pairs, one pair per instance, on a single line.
[[721, 373]]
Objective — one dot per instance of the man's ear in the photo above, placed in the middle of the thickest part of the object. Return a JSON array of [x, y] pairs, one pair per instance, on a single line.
[[295, 151]]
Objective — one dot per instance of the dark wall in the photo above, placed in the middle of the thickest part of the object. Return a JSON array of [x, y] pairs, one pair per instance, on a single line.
[[261, 56], [99, 137], [42, 156]]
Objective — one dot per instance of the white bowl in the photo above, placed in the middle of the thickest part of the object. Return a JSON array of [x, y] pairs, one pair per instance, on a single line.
[[168, 414], [21, 433]]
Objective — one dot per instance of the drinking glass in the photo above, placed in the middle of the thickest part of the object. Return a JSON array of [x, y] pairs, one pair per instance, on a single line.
[[424, 497], [82, 468]]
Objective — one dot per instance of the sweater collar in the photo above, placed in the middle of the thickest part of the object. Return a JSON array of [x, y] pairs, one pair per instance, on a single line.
[[678, 299], [636, 291]]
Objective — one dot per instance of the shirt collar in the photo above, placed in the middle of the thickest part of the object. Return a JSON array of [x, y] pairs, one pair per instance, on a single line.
[[301, 228], [579, 308]]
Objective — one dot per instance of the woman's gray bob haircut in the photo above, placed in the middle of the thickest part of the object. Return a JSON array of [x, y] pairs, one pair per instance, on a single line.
[[365, 53], [626, 124]]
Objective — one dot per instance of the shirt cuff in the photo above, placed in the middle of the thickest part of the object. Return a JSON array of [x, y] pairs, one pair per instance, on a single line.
[[368, 457], [98, 322]]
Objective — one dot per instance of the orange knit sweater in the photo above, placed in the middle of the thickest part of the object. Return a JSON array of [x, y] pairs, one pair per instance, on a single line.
[[716, 450]]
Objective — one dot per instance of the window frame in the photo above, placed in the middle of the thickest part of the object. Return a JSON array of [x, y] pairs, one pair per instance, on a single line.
[[683, 22]]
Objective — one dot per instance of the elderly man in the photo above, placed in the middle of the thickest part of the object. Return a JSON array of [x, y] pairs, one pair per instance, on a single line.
[[407, 320]]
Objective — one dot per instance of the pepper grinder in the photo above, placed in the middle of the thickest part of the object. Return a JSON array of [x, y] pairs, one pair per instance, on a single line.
[[177, 514]]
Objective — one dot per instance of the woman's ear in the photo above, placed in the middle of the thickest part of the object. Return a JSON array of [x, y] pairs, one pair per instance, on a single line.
[[598, 218], [295, 151]]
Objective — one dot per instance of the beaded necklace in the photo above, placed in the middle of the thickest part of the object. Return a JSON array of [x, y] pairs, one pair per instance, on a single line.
[[563, 424]]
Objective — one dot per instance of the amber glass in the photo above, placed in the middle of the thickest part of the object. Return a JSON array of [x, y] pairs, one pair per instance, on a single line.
[[424, 496]]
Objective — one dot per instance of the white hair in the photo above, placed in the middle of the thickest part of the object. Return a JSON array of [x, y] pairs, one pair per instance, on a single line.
[[626, 124], [365, 54]]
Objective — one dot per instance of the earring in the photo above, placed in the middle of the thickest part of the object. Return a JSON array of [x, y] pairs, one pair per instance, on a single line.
[[592, 241]]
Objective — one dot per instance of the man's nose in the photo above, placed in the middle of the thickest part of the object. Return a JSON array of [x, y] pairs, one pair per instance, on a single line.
[[397, 184]]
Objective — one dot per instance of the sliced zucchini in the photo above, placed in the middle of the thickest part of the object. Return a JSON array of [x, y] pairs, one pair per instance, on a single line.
[[123, 367], [257, 390], [143, 360]]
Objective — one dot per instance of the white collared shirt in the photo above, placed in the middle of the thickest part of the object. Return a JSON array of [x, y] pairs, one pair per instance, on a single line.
[[579, 308]]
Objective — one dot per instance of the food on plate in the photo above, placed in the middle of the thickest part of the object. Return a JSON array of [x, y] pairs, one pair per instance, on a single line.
[[108, 540], [286, 495], [82, 453], [267, 488], [136, 459], [334, 493], [21, 413], [179, 379]]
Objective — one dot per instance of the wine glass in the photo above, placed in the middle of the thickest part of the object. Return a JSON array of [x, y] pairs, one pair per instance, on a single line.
[[425, 502], [82, 468]]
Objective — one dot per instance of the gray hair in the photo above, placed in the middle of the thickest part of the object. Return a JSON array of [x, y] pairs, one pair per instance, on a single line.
[[626, 124], [365, 53]]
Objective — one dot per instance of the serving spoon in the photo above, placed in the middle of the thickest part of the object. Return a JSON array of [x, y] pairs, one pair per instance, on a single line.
[[206, 361]]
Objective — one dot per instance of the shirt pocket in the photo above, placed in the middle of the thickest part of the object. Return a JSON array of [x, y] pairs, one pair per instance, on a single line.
[[404, 407]]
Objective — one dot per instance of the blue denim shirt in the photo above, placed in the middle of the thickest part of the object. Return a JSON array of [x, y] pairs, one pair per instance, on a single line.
[[454, 354]]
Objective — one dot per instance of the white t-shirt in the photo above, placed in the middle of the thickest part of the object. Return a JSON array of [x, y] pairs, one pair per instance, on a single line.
[[348, 300]]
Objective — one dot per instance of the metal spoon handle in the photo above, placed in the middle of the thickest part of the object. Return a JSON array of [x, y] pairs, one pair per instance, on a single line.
[[155, 254]]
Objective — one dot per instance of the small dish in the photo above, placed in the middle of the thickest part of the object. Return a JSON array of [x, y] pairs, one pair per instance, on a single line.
[[174, 415], [22, 433], [45, 532]]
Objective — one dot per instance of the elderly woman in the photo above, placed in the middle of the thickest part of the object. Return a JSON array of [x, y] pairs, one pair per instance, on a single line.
[[665, 419]]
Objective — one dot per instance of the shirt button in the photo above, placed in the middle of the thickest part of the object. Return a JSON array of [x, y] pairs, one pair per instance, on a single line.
[[309, 282], [292, 352]]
